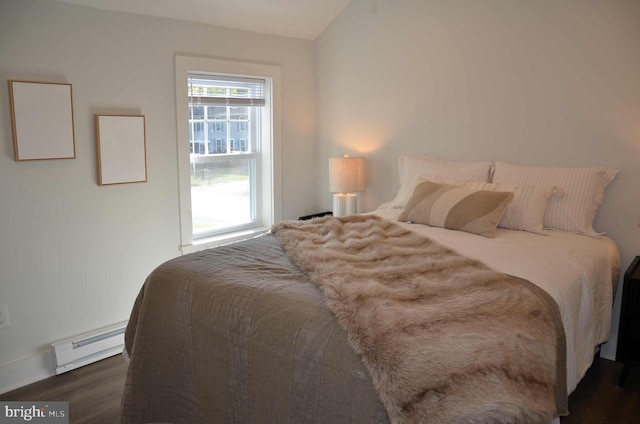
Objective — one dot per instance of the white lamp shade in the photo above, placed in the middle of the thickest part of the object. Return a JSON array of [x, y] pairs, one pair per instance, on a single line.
[[346, 174]]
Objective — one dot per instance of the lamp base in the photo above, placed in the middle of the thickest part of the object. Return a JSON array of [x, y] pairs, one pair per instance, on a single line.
[[345, 204]]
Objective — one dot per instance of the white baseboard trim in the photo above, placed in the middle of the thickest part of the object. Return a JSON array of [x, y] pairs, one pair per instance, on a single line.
[[608, 350], [24, 371]]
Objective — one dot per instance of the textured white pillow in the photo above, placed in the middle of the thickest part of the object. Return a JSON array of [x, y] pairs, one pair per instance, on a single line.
[[582, 192], [412, 166], [525, 212]]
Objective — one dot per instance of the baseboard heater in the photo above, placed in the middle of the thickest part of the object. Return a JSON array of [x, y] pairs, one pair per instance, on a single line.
[[87, 348]]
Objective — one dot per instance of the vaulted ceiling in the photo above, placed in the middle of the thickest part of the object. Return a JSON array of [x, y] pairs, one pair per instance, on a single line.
[[292, 18]]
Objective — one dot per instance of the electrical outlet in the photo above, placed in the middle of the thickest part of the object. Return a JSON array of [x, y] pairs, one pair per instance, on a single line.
[[4, 316]]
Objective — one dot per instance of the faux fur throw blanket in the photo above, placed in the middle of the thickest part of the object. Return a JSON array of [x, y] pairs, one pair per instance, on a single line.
[[445, 338]]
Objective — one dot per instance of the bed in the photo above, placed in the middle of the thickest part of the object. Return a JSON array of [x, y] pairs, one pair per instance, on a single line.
[[356, 320]]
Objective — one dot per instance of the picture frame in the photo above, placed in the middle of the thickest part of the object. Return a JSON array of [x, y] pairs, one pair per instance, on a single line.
[[121, 149], [41, 120]]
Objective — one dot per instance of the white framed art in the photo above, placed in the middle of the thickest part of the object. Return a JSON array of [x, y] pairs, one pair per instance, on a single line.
[[121, 149], [41, 120]]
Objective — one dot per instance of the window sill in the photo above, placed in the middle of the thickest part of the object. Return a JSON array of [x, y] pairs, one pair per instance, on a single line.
[[209, 242]]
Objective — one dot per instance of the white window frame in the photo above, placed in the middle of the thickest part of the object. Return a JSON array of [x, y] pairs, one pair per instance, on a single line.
[[271, 179]]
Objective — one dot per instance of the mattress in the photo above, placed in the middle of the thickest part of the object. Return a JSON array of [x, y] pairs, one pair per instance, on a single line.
[[579, 272]]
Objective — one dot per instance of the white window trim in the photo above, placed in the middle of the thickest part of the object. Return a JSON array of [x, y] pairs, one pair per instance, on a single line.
[[271, 183]]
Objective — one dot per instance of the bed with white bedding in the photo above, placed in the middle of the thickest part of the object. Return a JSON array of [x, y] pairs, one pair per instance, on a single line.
[[262, 331], [554, 246], [580, 273]]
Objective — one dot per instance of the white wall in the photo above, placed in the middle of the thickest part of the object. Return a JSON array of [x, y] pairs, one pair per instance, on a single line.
[[545, 82], [73, 255]]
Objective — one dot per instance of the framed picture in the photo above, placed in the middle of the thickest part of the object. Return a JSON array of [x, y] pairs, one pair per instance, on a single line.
[[121, 149], [41, 120]]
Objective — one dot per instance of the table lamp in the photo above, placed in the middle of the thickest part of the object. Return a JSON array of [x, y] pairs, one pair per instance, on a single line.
[[346, 175]]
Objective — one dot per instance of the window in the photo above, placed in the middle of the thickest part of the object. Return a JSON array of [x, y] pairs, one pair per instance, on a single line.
[[228, 150]]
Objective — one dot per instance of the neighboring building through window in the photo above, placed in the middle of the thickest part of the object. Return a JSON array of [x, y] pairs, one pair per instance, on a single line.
[[226, 141], [224, 177]]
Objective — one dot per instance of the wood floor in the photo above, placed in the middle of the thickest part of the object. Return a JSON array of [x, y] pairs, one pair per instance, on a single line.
[[93, 391], [94, 394]]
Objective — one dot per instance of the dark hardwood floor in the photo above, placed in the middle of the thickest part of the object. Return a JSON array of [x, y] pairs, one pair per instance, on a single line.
[[93, 391], [599, 400], [94, 394]]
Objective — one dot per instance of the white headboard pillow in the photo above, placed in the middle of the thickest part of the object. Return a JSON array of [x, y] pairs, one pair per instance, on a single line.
[[412, 166], [582, 192]]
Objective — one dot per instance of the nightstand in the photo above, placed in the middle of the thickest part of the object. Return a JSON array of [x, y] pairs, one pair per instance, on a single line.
[[315, 215], [628, 350]]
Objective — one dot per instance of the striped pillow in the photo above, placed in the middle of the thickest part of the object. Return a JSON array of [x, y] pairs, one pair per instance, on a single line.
[[456, 208], [582, 192]]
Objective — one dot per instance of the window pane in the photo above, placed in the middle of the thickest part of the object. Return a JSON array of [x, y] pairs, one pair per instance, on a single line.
[[196, 136], [217, 112], [241, 112], [216, 130], [221, 194], [198, 112], [225, 184]]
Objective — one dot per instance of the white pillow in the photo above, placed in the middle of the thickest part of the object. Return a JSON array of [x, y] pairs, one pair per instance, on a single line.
[[412, 166], [582, 192], [525, 212]]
